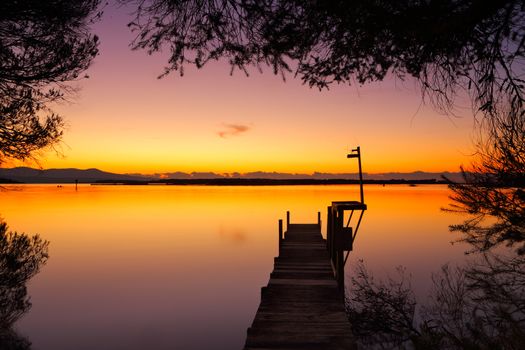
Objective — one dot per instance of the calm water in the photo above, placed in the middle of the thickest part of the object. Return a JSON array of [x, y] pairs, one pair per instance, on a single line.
[[180, 267]]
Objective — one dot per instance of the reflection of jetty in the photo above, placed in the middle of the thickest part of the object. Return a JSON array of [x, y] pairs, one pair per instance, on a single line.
[[302, 307]]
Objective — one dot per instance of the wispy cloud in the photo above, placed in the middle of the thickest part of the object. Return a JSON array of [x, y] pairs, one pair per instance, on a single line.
[[232, 130]]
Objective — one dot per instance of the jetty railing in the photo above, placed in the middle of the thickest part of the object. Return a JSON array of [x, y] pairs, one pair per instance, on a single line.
[[340, 237]]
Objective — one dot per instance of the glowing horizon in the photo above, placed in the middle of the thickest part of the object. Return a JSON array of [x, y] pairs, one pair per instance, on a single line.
[[125, 120]]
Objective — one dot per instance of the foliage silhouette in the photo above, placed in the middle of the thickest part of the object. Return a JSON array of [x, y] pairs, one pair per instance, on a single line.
[[480, 306], [10, 340], [43, 45], [493, 192], [448, 46], [381, 312], [21, 257]]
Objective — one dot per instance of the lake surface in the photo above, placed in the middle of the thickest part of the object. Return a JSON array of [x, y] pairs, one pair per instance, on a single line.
[[181, 267]]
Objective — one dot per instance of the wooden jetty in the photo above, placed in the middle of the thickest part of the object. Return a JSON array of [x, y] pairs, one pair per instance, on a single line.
[[302, 307]]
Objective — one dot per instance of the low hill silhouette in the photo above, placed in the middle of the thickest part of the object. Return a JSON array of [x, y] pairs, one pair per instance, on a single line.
[[31, 175], [69, 175]]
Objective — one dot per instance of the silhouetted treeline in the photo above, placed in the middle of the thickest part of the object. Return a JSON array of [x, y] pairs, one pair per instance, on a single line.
[[8, 181], [268, 182], [448, 46]]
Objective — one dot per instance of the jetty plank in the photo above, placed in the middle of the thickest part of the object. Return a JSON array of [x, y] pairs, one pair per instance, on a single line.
[[302, 306]]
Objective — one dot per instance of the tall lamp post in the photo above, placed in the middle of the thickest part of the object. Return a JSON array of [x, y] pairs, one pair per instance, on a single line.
[[356, 153]]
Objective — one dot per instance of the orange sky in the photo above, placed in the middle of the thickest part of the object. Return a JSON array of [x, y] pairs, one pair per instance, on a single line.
[[126, 120]]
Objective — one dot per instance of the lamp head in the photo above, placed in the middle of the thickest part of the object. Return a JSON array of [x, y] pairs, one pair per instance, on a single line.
[[354, 154]]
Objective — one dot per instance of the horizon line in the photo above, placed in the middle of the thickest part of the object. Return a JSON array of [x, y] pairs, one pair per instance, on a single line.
[[233, 173]]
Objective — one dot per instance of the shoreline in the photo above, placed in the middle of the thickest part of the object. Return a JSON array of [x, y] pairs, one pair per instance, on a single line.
[[268, 182], [230, 182]]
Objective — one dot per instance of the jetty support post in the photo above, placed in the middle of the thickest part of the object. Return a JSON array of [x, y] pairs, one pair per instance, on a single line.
[[340, 269], [329, 233], [338, 258], [287, 220], [280, 234], [338, 239]]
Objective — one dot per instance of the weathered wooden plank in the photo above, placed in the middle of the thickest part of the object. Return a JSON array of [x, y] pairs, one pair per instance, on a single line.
[[302, 306]]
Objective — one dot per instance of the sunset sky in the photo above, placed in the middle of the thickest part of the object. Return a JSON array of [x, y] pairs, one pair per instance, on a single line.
[[126, 120]]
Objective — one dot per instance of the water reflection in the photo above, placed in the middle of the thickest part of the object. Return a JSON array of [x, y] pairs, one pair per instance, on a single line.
[[21, 257], [234, 234], [159, 266]]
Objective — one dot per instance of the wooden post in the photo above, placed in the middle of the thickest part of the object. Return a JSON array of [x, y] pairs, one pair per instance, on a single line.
[[356, 153], [340, 266], [329, 234], [280, 234], [360, 175], [319, 219], [287, 220]]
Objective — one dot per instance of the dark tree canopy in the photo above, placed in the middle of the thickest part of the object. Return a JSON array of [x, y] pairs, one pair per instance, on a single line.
[[446, 44], [43, 45]]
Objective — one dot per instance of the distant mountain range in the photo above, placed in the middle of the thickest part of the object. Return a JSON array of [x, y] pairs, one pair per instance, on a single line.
[[31, 175]]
